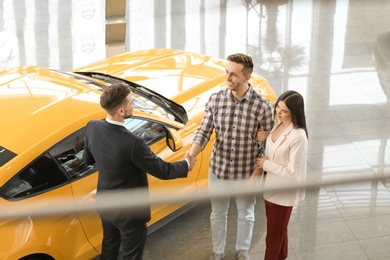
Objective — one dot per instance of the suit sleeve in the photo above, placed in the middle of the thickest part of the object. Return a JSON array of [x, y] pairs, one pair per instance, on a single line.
[[87, 155], [146, 160]]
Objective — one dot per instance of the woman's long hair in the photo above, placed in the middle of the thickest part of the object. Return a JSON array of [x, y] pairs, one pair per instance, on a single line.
[[294, 102]]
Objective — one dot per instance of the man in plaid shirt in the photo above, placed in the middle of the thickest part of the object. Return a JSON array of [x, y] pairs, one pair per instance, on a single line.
[[236, 113]]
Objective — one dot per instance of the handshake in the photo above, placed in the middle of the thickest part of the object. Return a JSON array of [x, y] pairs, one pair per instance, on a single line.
[[191, 160]]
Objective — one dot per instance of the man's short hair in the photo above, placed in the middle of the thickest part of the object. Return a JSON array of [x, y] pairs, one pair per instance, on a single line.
[[114, 96], [243, 59]]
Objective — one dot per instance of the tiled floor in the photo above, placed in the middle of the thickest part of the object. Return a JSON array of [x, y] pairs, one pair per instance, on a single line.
[[335, 53]]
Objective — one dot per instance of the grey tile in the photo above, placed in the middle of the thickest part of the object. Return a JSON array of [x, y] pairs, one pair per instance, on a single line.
[[360, 200], [377, 247], [371, 227], [329, 144], [332, 251], [312, 214], [325, 130], [337, 159], [363, 110], [368, 126], [313, 234], [376, 155], [319, 118]]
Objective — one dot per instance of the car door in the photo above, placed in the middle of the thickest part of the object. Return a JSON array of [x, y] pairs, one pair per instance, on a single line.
[[155, 134], [60, 236], [83, 182], [84, 189]]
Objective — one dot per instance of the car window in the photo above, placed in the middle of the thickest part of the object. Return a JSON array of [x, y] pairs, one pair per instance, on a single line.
[[5, 155], [69, 154], [43, 174], [150, 131]]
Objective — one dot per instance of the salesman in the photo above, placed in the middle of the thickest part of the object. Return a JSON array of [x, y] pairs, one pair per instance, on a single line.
[[123, 159]]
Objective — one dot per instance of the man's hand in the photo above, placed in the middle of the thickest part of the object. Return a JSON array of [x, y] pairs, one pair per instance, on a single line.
[[191, 159], [262, 135]]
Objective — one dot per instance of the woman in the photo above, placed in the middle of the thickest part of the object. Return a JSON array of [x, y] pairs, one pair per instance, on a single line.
[[284, 162]]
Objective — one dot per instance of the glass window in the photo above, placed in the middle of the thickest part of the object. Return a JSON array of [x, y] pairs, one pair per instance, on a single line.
[[42, 175], [150, 131], [69, 154]]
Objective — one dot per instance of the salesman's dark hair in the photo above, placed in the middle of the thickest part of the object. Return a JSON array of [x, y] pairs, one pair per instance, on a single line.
[[114, 96], [294, 102]]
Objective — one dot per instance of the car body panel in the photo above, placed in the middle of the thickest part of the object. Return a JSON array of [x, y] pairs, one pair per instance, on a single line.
[[21, 237], [43, 110], [85, 189]]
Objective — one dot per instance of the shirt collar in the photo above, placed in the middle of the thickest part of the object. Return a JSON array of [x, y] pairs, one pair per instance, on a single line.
[[247, 95], [115, 122]]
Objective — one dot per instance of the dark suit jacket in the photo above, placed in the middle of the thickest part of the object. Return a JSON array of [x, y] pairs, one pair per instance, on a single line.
[[123, 159]]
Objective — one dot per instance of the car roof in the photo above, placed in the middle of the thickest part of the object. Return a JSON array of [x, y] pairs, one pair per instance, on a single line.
[[176, 74], [37, 102]]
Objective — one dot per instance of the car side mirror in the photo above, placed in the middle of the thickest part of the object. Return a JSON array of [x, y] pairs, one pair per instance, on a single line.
[[174, 140]]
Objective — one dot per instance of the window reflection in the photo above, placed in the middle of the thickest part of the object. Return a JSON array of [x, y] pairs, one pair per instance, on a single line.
[[150, 131]]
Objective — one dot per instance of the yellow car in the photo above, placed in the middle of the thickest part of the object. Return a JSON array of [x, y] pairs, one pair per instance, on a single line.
[[43, 113]]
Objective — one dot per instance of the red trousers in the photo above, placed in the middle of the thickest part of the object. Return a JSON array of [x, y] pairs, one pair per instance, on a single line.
[[276, 240]]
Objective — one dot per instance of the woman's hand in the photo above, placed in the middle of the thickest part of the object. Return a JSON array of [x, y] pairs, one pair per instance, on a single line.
[[260, 161]]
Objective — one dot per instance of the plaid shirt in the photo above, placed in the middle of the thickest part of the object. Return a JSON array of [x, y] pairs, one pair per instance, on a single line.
[[236, 124]]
